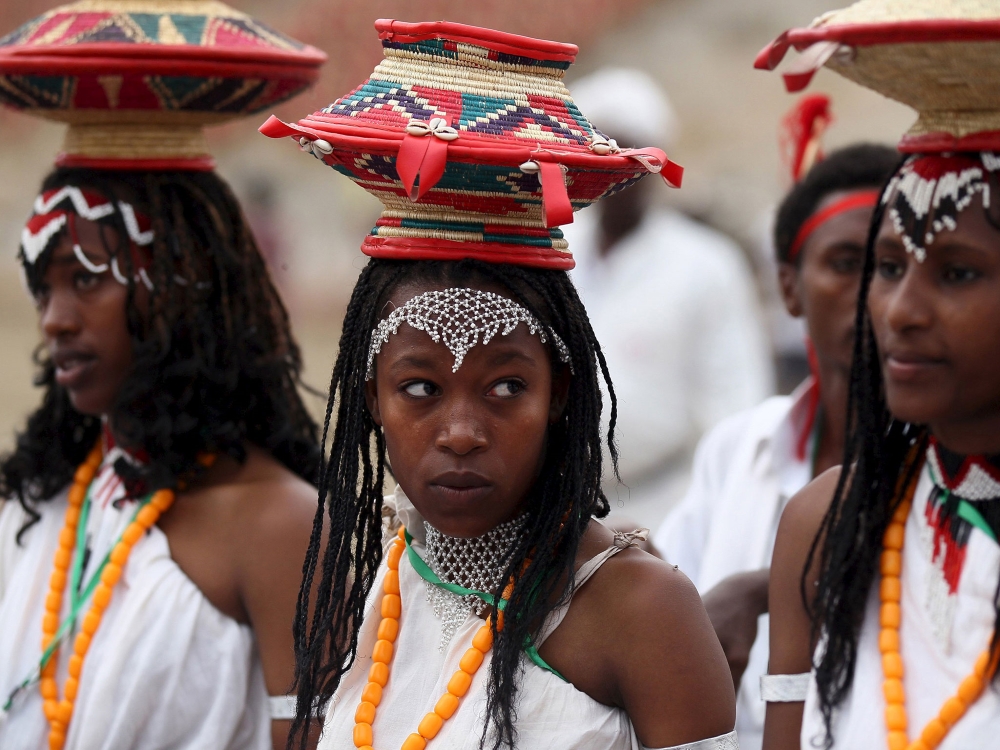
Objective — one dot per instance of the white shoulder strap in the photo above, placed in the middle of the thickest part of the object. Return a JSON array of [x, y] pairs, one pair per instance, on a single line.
[[784, 688], [722, 742]]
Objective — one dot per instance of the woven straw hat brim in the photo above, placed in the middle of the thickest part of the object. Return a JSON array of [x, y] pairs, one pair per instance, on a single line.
[[136, 80]]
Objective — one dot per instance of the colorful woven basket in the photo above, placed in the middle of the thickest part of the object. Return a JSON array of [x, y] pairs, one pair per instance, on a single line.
[[138, 79], [939, 57], [472, 142]]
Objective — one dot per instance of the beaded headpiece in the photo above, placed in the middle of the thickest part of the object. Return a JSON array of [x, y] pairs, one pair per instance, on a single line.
[[136, 80], [460, 318], [472, 142]]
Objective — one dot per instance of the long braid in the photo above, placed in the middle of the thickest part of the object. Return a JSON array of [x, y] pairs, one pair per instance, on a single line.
[[564, 498]]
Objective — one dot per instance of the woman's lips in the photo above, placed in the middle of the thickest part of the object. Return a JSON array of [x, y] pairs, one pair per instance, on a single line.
[[72, 368], [906, 367], [461, 485]]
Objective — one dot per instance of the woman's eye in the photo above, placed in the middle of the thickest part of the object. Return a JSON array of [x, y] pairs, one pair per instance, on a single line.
[[890, 269], [846, 265], [960, 274], [85, 281], [507, 388], [420, 389]]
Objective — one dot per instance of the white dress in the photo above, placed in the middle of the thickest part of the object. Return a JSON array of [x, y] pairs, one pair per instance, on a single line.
[[745, 471], [165, 669], [551, 715], [942, 634]]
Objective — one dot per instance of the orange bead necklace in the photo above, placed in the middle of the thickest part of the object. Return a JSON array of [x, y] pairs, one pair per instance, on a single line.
[[60, 712], [378, 675], [890, 616]]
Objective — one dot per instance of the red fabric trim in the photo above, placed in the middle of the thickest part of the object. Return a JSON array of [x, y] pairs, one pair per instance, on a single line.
[[470, 147], [308, 57], [555, 198], [896, 32], [859, 199], [501, 41], [937, 142], [65, 66], [193, 164], [408, 248]]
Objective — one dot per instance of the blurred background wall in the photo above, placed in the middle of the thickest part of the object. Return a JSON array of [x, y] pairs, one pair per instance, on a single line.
[[311, 221]]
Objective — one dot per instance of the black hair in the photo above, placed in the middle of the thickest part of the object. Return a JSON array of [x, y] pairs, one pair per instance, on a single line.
[[881, 457], [561, 503], [858, 166], [214, 363]]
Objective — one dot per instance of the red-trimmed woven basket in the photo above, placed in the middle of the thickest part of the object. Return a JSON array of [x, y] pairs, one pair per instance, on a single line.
[[472, 142], [138, 79], [937, 56]]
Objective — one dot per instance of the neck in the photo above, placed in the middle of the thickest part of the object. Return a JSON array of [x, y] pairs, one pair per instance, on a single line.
[[833, 427], [972, 436]]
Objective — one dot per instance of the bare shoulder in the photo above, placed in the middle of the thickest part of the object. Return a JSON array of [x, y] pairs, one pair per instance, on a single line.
[[804, 513], [651, 647]]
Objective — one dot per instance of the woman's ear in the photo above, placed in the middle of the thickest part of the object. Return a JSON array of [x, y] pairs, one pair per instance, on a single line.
[[788, 283], [561, 379], [371, 399]]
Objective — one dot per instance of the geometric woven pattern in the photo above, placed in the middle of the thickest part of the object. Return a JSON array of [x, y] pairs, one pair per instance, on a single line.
[[457, 131], [113, 62]]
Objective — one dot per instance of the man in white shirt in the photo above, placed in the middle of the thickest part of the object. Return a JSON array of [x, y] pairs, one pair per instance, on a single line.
[[673, 304], [747, 468]]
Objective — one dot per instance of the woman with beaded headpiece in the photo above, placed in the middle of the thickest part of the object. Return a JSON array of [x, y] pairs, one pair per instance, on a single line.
[[884, 580], [158, 502], [495, 611]]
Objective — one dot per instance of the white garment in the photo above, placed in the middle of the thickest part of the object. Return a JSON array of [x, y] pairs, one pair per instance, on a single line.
[[745, 471], [165, 668], [552, 714], [932, 670], [674, 307]]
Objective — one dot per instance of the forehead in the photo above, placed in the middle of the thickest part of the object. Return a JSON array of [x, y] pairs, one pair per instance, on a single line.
[[413, 344]]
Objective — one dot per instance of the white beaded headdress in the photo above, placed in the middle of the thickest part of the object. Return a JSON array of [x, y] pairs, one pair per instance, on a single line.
[[458, 318]]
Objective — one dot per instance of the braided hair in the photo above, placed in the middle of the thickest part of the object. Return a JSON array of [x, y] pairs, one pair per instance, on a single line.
[[881, 457], [214, 362], [864, 165], [560, 505]]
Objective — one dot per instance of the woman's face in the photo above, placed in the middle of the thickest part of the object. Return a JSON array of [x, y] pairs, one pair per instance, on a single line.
[[465, 446], [823, 286], [937, 325], [83, 321]]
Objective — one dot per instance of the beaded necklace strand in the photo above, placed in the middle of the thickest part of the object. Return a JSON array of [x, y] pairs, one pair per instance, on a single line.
[[890, 616], [71, 539], [378, 675]]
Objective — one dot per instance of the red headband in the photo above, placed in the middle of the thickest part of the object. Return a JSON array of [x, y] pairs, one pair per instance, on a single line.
[[860, 199]]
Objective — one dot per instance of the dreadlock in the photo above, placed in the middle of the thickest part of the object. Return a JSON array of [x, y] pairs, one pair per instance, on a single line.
[[564, 498], [863, 165], [214, 362], [881, 457]]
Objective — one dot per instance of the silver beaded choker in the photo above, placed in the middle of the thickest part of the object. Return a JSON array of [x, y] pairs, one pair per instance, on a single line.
[[476, 564]]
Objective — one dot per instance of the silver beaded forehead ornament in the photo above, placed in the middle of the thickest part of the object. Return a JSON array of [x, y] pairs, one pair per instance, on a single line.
[[458, 317]]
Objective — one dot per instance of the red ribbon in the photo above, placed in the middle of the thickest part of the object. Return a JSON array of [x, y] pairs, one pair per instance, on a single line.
[[555, 198], [423, 157], [860, 199]]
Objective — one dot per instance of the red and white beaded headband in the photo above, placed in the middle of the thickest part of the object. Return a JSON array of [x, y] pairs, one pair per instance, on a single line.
[[54, 210]]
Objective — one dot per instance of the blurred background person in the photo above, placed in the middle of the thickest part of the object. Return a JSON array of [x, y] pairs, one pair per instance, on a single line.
[[672, 302], [748, 467]]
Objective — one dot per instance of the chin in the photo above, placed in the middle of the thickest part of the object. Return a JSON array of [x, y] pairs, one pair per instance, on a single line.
[[914, 408], [89, 404]]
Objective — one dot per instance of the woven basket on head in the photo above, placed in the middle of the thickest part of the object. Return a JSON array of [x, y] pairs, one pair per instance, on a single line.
[[472, 142], [138, 79], [939, 57]]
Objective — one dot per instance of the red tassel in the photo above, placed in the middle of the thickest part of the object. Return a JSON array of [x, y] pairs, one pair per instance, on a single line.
[[802, 132], [555, 198]]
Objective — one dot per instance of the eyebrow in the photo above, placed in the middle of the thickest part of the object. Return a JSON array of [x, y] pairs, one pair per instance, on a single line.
[[504, 357], [421, 363]]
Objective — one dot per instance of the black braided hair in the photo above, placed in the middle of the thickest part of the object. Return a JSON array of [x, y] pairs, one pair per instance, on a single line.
[[881, 456], [561, 503], [214, 362], [851, 168]]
